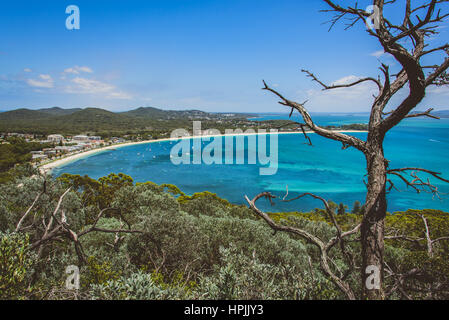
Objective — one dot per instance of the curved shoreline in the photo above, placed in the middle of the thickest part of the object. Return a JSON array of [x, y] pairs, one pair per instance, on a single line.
[[48, 167]]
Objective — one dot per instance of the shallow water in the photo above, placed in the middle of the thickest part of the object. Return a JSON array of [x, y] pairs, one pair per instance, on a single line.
[[324, 168]]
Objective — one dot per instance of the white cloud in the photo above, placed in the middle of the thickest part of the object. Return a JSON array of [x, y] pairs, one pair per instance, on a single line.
[[70, 81], [71, 70], [46, 77], [85, 69], [120, 95], [44, 81], [27, 70], [346, 80], [361, 90], [84, 85], [88, 86], [441, 90], [344, 99], [78, 70], [377, 54]]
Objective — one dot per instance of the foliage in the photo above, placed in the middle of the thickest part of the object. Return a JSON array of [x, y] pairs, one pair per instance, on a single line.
[[240, 276], [357, 208], [15, 265], [101, 191], [98, 272], [138, 286], [16, 152], [189, 246]]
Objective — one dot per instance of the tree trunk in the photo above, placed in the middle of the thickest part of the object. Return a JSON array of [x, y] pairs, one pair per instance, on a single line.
[[372, 228]]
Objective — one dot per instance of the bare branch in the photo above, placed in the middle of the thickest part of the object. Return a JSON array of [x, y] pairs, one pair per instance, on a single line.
[[427, 234], [338, 136], [62, 228], [441, 48], [327, 87], [433, 173], [423, 114], [47, 234], [322, 246], [28, 211], [431, 79]]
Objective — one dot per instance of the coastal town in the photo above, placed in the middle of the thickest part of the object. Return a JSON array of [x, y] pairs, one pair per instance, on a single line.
[[55, 149], [63, 146]]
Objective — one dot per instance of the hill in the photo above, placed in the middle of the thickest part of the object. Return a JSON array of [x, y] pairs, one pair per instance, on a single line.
[[23, 114], [103, 122], [147, 112], [91, 119], [154, 113], [83, 120], [57, 111], [442, 113]]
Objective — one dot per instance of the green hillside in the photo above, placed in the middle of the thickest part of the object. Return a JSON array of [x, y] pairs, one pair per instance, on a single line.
[[23, 114], [95, 120], [147, 112], [154, 113], [57, 111]]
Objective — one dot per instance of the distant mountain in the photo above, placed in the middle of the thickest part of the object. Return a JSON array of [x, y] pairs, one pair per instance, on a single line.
[[57, 111], [23, 114], [94, 116], [442, 113], [154, 113], [141, 113], [145, 112], [92, 113], [73, 121]]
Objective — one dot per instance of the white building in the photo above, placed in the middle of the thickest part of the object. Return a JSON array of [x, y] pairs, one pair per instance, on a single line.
[[39, 156], [81, 138], [55, 138]]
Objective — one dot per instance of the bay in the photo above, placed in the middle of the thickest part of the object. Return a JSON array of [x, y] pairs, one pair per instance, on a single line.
[[323, 168]]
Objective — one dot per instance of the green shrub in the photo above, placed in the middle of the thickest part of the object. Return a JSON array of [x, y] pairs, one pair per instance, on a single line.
[[16, 263]]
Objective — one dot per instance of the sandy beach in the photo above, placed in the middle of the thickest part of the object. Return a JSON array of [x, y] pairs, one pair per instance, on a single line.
[[46, 168]]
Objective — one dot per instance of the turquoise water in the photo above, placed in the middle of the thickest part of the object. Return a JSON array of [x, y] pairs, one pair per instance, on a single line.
[[324, 169]]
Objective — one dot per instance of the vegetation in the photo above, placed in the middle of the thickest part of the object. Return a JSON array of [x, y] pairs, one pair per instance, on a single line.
[[16, 151], [15, 263], [138, 123], [149, 241], [94, 120]]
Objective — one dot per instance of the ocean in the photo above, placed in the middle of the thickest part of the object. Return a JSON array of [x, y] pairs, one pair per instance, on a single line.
[[324, 168]]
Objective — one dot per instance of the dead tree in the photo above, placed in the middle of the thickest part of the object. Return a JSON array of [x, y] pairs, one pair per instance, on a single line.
[[56, 227], [323, 247], [417, 25], [400, 279]]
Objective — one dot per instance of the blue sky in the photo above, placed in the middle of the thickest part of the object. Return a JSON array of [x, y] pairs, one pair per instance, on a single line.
[[210, 55]]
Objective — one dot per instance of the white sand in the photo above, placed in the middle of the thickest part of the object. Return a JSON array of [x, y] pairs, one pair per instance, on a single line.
[[60, 162]]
